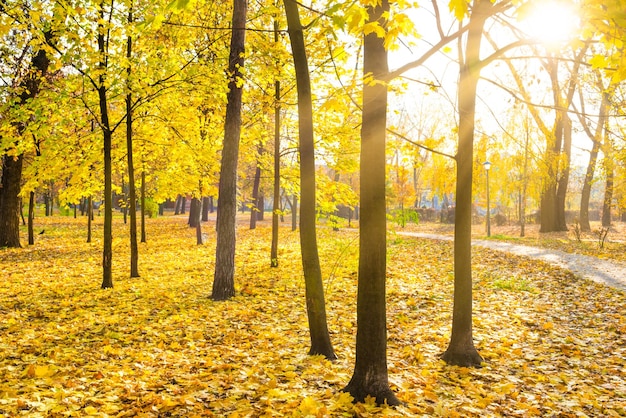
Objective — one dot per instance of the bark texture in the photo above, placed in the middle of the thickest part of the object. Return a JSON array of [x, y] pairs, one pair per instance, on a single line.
[[224, 278], [370, 377], [314, 287]]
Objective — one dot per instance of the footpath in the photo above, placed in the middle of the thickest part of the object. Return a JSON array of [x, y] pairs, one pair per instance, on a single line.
[[607, 272]]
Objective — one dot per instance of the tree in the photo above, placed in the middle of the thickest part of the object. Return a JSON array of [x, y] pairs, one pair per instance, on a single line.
[[461, 350], [224, 278], [132, 195], [27, 88], [596, 139], [370, 377], [316, 307]]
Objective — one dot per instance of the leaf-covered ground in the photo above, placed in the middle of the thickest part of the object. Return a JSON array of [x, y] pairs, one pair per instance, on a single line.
[[157, 346], [610, 247]]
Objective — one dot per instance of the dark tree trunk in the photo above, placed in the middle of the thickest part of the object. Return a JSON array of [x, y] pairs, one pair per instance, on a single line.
[[370, 376], [294, 213], [143, 206], [9, 201], [107, 252], [198, 222], [461, 350], [89, 217], [254, 210], [194, 212], [31, 218], [314, 287], [276, 201], [177, 207], [183, 204], [132, 194], [260, 216], [205, 209], [224, 278]]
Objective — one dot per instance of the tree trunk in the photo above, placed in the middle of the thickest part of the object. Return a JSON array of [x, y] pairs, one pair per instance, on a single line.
[[224, 278], [561, 192], [143, 206], [9, 201], [205, 209], [89, 217], [31, 218], [294, 213], [461, 350], [314, 287], [132, 194], [591, 167], [585, 196], [197, 221], [194, 212], [370, 377], [107, 252], [276, 201], [177, 207], [255, 197], [608, 195]]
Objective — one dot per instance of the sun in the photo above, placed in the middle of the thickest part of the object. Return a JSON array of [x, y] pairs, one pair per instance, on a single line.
[[551, 22]]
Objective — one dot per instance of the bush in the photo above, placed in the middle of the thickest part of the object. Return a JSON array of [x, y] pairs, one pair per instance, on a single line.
[[152, 208]]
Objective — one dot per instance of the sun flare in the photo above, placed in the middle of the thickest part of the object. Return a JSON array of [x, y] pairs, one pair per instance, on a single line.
[[551, 22]]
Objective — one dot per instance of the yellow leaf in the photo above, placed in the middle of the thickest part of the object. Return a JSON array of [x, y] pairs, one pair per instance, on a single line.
[[308, 406], [90, 410]]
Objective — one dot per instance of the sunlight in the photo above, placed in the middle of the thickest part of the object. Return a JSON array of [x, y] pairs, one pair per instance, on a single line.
[[551, 22]]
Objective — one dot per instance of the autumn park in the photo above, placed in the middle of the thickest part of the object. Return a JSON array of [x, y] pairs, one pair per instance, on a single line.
[[312, 208]]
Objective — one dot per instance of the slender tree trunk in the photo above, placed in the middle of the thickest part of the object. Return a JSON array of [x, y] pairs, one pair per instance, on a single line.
[[294, 213], [107, 253], [31, 218], [585, 195], [255, 197], [461, 350], [370, 377], [610, 176], [314, 287], [561, 192], [198, 222], [89, 217], [143, 206], [224, 278], [591, 167], [276, 201], [132, 206]]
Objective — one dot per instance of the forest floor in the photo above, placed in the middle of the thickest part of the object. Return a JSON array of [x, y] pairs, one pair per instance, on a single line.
[[156, 346]]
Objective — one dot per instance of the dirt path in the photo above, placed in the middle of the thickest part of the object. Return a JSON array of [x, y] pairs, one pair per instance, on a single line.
[[601, 271]]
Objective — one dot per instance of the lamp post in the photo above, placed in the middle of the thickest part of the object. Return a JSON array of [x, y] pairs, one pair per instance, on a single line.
[[487, 166]]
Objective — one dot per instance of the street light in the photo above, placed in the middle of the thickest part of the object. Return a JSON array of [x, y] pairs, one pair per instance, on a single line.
[[487, 166]]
